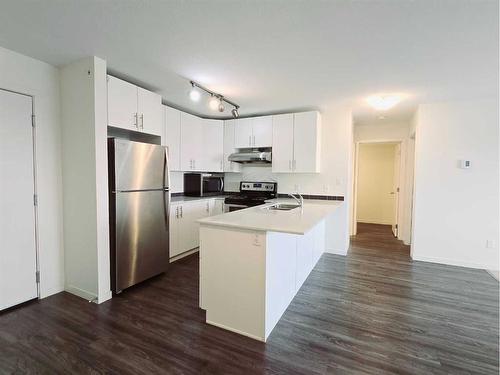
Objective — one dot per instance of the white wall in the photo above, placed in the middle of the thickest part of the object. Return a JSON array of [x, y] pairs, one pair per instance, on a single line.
[[86, 221], [334, 179], [375, 204], [457, 210], [26, 75]]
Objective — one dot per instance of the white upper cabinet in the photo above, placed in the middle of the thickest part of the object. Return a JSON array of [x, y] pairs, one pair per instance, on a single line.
[[283, 143], [307, 142], [134, 108], [213, 136], [173, 137], [229, 166], [297, 143], [191, 143], [150, 112], [253, 132], [122, 104], [243, 133], [262, 128]]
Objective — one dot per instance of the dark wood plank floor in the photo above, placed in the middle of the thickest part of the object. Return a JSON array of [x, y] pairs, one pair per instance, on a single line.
[[374, 311]]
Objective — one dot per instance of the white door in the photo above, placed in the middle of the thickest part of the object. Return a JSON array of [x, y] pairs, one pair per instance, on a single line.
[[17, 211], [213, 139], [395, 189], [282, 143], [122, 104], [191, 142], [243, 133], [262, 128], [173, 137], [305, 146], [229, 166], [150, 112], [174, 230]]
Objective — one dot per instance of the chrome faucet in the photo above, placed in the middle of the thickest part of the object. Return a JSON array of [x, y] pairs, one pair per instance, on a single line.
[[298, 198]]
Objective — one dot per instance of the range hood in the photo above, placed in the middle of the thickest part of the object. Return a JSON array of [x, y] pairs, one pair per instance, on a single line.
[[251, 157]]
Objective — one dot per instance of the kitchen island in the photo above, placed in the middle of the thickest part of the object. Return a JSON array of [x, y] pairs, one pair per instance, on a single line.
[[253, 262]]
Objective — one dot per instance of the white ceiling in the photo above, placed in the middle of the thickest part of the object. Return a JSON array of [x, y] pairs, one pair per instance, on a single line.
[[273, 56]]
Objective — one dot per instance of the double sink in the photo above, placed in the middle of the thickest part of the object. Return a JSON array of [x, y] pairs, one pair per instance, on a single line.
[[282, 206]]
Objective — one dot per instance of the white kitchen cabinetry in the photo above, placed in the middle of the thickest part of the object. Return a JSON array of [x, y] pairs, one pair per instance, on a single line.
[[297, 143], [184, 230], [229, 166], [173, 137], [262, 128], [122, 104], [253, 132], [212, 145], [134, 108], [191, 143], [283, 143]]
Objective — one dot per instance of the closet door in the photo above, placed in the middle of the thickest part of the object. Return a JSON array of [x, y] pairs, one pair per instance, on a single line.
[[17, 211]]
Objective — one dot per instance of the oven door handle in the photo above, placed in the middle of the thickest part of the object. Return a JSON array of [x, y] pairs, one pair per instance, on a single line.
[[221, 184]]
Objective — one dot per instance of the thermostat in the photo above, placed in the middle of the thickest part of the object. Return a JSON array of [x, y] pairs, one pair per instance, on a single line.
[[465, 164]]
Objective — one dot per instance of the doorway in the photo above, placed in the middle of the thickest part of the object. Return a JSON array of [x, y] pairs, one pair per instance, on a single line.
[[377, 185], [18, 200]]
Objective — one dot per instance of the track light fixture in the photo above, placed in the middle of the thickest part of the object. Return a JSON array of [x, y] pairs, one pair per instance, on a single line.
[[216, 100]]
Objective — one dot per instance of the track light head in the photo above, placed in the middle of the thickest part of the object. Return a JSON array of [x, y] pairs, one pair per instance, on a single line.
[[221, 105], [235, 113]]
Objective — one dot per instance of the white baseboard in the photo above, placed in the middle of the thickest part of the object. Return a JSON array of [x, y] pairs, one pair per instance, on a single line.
[[44, 293], [236, 331], [495, 274], [85, 294], [183, 255], [105, 297], [450, 262], [336, 251]]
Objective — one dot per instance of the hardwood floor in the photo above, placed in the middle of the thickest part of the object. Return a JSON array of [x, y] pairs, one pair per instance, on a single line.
[[372, 312]]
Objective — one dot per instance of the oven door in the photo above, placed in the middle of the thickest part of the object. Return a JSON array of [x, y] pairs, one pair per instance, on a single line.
[[229, 207]]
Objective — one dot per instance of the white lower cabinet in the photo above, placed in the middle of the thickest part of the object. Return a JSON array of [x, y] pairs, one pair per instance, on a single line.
[[184, 229]]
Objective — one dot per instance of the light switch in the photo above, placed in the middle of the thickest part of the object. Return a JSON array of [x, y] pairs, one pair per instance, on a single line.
[[465, 164]]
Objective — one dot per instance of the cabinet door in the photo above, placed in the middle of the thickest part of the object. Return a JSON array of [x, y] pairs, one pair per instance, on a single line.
[[213, 137], [307, 142], [229, 166], [262, 131], [150, 112], [189, 229], [282, 143], [174, 231], [243, 133], [191, 142], [173, 137], [305, 247], [122, 104]]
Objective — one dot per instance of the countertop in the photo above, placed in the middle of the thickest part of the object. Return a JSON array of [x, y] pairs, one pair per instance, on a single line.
[[183, 198], [296, 221]]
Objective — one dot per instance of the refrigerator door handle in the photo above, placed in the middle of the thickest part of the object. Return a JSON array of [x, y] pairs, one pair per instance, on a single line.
[[166, 172]]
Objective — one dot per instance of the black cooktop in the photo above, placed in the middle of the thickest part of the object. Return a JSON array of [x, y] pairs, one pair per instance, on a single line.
[[253, 193]]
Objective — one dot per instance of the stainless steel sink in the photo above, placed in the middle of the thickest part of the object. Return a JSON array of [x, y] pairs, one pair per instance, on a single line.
[[283, 206]]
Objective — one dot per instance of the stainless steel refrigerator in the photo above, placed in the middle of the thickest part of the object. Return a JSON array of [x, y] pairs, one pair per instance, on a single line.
[[139, 200]]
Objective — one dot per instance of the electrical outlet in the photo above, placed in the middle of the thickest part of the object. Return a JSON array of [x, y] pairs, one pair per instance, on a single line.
[[490, 244]]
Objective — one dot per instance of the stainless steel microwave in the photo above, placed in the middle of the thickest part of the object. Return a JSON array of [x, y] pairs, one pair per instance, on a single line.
[[203, 184]]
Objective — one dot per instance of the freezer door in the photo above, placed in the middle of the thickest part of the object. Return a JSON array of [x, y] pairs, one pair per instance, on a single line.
[[139, 166], [141, 236]]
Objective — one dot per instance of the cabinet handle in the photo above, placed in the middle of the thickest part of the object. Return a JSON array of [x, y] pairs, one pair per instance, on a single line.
[[253, 142], [142, 121], [249, 140], [290, 164], [181, 210], [294, 164], [177, 212], [194, 163], [136, 121], [208, 207]]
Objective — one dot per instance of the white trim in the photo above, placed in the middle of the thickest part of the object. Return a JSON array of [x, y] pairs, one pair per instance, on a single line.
[[106, 297], [495, 274], [85, 294], [185, 254], [450, 262], [336, 251], [50, 291], [236, 331]]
